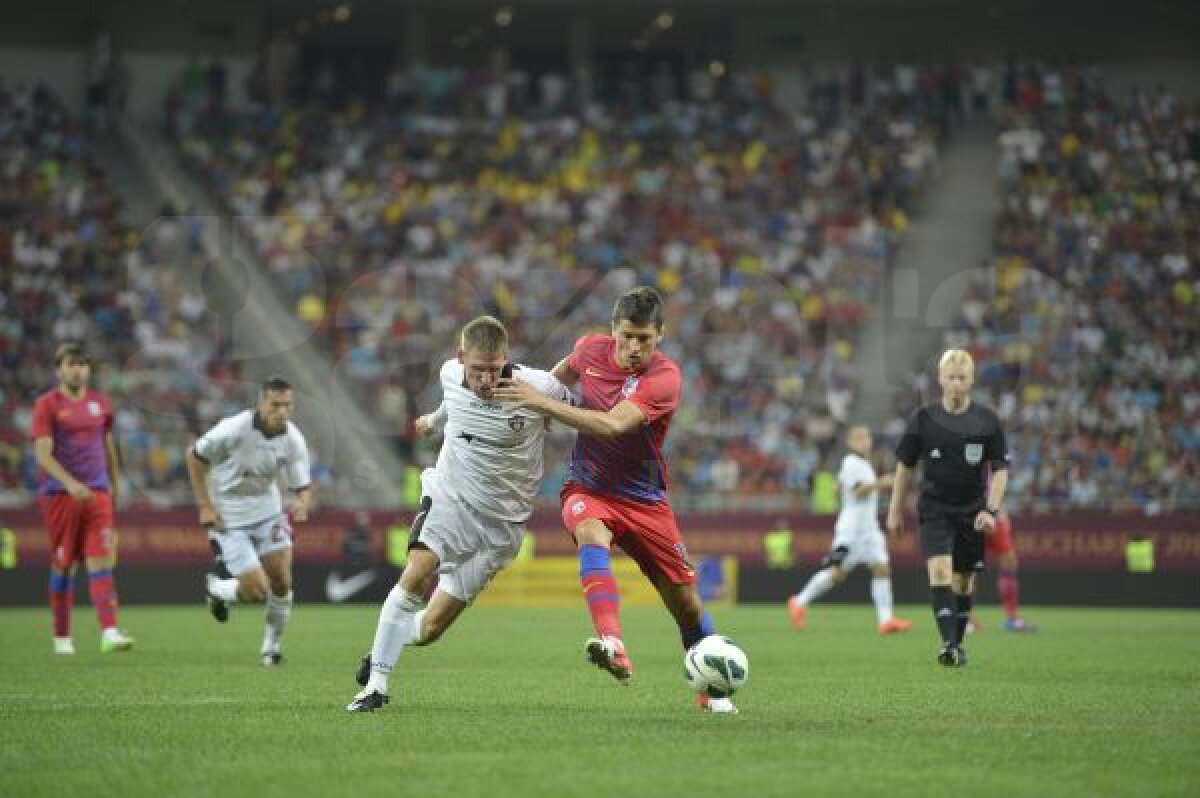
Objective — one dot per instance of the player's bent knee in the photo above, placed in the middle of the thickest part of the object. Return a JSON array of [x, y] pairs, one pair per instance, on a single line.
[[592, 533]]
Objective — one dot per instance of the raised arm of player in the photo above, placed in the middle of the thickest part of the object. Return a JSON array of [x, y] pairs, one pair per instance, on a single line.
[[565, 374], [431, 423]]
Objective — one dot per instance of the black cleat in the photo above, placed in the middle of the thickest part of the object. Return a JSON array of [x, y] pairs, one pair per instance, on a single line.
[[271, 659], [367, 701], [951, 656], [364, 671], [216, 606], [962, 657]]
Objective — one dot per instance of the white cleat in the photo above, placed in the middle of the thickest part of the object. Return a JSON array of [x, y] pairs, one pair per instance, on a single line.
[[64, 645], [115, 640], [720, 706]]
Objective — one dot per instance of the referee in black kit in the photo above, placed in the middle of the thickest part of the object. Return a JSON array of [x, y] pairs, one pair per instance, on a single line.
[[960, 443]]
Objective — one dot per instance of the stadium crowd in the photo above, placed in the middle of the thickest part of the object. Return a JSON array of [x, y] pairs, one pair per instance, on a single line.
[[768, 229], [386, 219], [1087, 318], [71, 268]]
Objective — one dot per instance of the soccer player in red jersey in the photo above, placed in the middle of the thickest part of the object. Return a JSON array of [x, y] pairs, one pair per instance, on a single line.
[[617, 489], [1000, 544], [77, 488]]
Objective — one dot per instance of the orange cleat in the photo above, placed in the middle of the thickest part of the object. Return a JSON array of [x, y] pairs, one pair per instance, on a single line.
[[798, 613], [894, 625]]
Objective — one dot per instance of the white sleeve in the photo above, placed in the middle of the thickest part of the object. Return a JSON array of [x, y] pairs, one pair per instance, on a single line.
[[545, 383], [214, 446], [298, 476], [437, 419]]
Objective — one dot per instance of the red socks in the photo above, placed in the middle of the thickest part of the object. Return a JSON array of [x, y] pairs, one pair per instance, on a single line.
[[62, 596], [600, 590], [1006, 582], [104, 597]]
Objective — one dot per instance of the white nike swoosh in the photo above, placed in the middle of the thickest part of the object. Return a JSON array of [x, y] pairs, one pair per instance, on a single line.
[[338, 590]]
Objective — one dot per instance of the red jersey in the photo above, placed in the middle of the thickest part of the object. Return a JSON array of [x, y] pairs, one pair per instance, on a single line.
[[77, 427], [632, 465]]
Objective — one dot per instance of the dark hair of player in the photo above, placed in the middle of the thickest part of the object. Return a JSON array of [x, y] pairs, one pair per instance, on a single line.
[[70, 349], [641, 305], [275, 384]]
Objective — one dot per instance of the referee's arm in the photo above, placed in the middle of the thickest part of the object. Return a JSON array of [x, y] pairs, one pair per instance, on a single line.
[[908, 451], [895, 516]]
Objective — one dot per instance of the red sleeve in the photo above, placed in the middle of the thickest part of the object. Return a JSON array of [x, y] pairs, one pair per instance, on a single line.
[[657, 393], [43, 419], [578, 358]]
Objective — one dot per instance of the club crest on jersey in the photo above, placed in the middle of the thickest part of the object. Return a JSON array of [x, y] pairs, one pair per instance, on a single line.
[[94, 408], [629, 387], [516, 423], [974, 453], [578, 507]]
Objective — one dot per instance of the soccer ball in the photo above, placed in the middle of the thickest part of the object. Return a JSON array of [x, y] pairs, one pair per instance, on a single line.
[[716, 666]]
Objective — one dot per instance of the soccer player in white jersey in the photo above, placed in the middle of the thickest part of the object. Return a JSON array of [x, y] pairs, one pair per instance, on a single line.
[[474, 504], [235, 468], [857, 538]]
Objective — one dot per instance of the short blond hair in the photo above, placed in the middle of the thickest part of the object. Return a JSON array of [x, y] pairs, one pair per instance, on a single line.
[[486, 335], [956, 357]]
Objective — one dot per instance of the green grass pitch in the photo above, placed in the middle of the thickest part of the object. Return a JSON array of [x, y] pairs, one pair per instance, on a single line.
[[1097, 703]]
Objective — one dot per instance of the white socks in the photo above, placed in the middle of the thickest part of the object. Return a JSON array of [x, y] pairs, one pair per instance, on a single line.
[[881, 594], [224, 589], [398, 626], [279, 609], [817, 586]]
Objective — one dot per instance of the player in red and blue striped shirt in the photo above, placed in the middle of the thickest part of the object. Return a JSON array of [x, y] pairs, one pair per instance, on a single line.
[[617, 490], [77, 488]]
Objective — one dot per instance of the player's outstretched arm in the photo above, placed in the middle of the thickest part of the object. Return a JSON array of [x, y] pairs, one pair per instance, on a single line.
[[621, 419]]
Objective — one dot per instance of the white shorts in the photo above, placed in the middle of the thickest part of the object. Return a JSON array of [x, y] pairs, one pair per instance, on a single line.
[[471, 547], [863, 548], [239, 548]]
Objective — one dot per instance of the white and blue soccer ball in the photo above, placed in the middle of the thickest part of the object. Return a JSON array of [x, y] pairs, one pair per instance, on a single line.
[[716, 666]]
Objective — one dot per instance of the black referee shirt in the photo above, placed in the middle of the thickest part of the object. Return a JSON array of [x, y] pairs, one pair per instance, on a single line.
[[955, 450]]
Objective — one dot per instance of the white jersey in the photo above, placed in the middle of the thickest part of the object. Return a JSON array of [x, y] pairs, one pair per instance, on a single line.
[[245, 465], [491, 457], [858, 516]]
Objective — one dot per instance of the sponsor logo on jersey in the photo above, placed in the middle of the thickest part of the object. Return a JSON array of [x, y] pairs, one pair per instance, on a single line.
[[629, 387], [974, 453], [591, 372]]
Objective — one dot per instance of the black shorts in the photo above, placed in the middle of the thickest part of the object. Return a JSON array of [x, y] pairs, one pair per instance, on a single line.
[[954, 534]]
